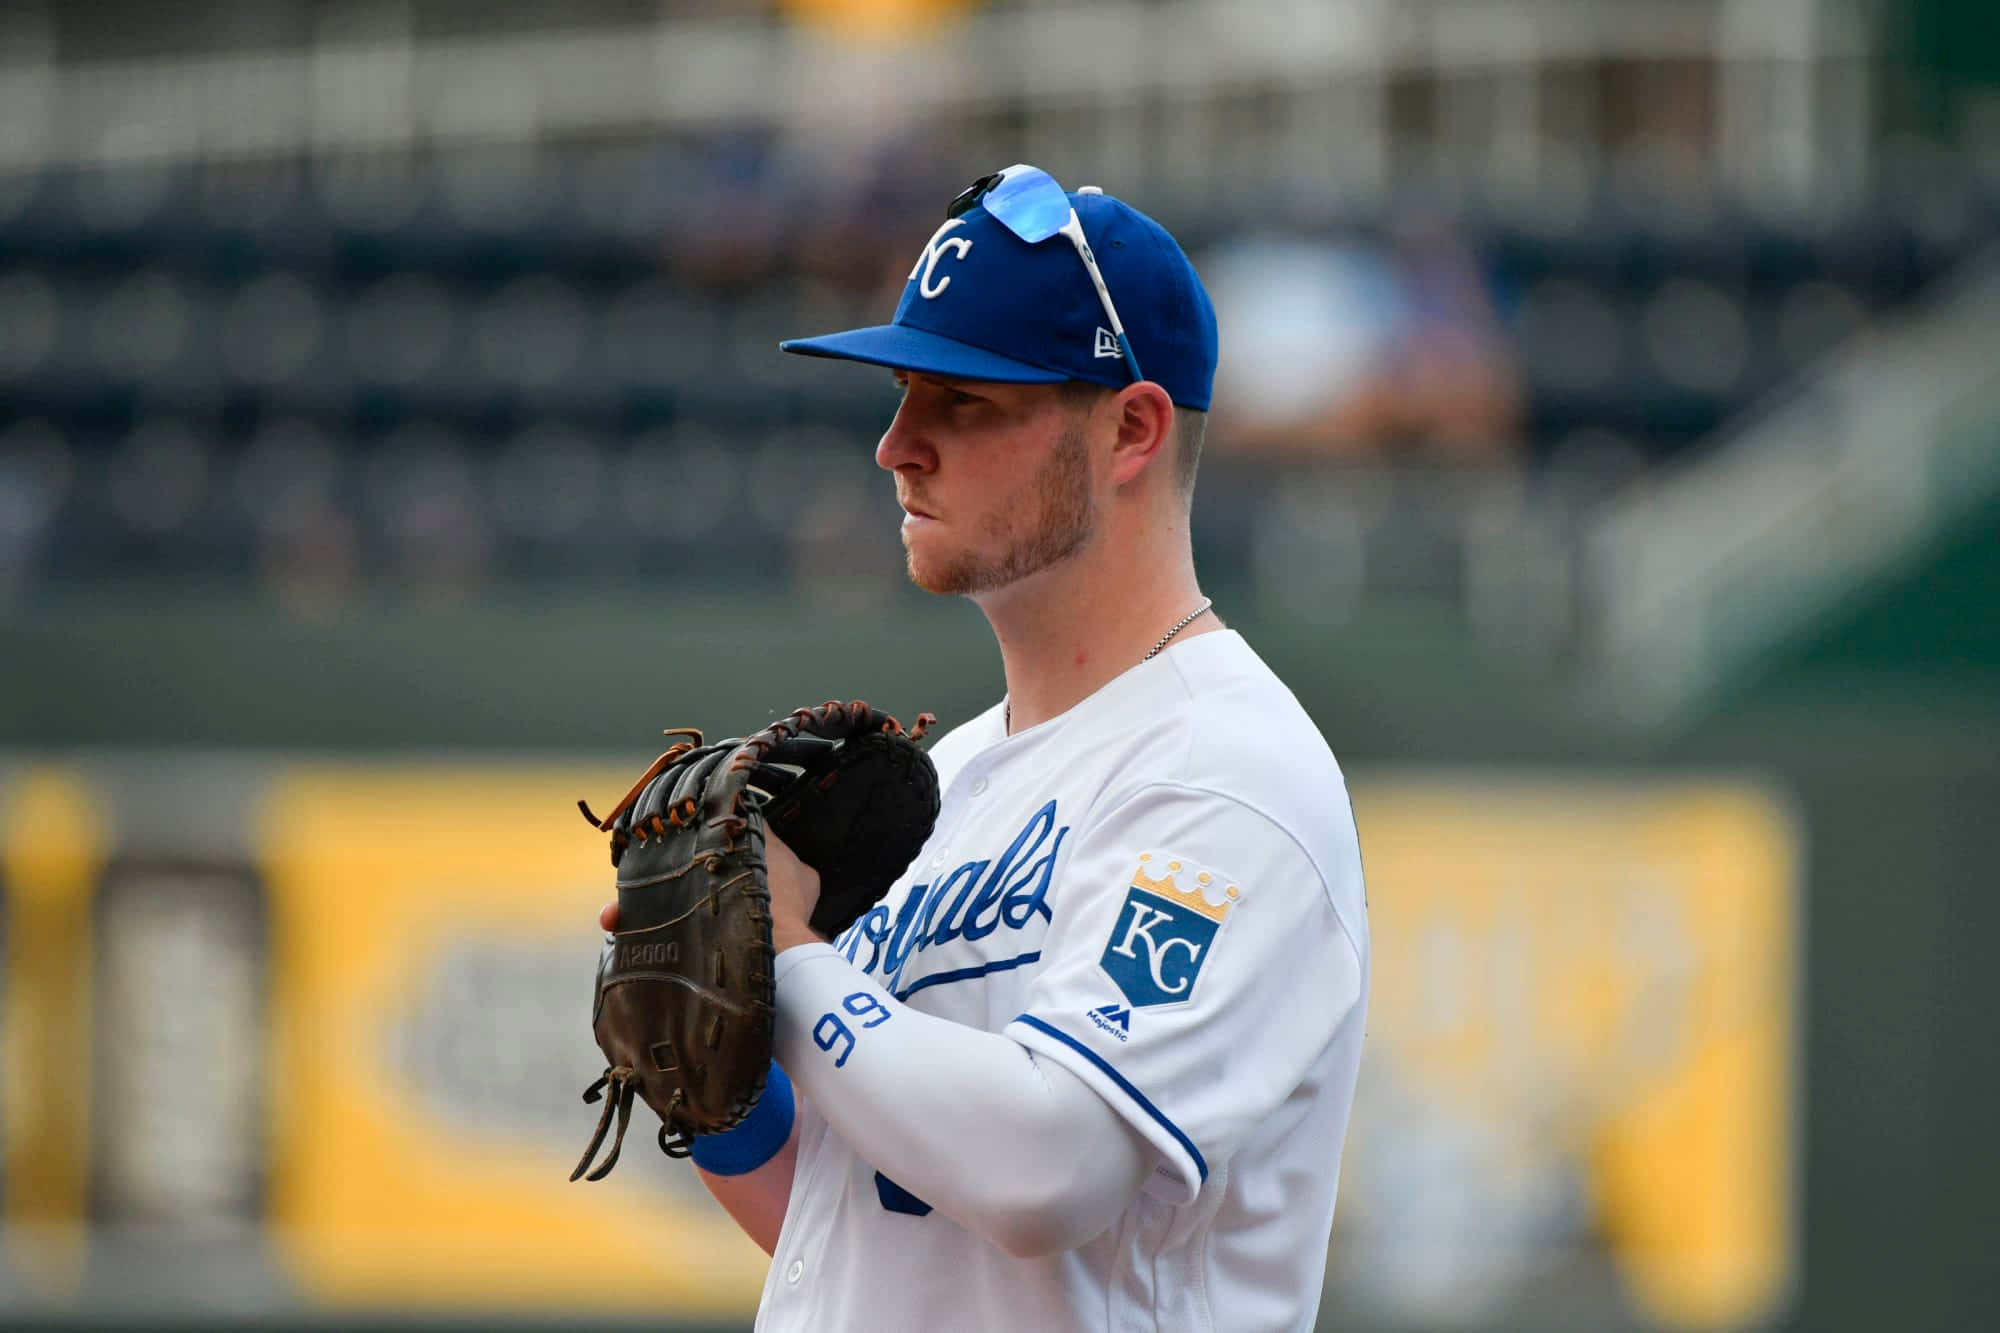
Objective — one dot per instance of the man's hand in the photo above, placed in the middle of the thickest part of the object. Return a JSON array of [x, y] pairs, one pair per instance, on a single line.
[[794, 894]]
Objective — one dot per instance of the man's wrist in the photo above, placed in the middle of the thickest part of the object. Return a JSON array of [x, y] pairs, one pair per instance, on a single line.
[[759, 1137], [786, 935]]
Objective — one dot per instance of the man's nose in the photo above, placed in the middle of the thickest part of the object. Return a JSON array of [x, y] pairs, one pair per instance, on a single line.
[[903, 444]]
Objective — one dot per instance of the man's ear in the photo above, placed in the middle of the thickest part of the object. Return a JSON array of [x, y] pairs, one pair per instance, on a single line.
[[1145, 423]]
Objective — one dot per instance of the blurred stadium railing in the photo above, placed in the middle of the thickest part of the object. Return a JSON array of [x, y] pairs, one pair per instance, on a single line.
[[1884, 455]]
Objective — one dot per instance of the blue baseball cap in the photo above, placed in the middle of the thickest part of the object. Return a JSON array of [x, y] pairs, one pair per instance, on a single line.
[[984, 304]]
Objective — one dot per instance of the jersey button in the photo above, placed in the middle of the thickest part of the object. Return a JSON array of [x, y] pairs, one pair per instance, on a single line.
[[979, 786], [797, 1270]]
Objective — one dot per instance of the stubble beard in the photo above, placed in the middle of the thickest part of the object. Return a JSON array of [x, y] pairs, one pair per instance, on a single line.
[[1061, 522]]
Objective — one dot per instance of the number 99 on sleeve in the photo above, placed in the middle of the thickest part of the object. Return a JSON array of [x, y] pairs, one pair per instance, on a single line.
[[832, 1030]]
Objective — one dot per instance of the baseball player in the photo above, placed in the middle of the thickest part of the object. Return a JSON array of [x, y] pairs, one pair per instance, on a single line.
[[1089, 1064]]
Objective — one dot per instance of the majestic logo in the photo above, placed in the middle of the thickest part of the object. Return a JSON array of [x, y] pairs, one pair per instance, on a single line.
[[1107, 344], [1164, 934], [935, 248], [1115, 1019], [992, 897]]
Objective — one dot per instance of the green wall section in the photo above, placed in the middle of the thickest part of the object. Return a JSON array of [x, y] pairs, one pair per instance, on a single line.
[[569, 675], [1940, 618], [1899, 1168]]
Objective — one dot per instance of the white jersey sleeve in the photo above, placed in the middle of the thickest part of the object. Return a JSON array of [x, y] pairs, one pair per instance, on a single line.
[[908, 1091], [1195, 966]]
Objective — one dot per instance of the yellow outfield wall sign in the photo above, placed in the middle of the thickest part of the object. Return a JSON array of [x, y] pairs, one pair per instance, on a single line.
[[1581, 1043], [52, 849], [434, 940]]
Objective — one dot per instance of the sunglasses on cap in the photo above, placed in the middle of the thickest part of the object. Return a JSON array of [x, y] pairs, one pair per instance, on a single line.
[[1027, 201]]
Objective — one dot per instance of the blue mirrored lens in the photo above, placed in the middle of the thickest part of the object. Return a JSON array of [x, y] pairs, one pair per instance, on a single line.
[[1029, 203]]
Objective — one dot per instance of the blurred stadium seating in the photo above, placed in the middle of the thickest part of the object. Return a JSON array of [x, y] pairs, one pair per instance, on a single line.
[[477, 358], [452, 357]]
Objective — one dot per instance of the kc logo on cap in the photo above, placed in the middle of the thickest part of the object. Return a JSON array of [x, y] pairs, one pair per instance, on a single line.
[[930, 285]]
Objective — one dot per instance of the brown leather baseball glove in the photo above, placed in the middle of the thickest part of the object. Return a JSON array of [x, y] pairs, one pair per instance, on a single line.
[[684, 1001]]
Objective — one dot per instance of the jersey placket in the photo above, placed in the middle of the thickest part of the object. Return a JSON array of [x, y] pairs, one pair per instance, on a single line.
[[786, 1288]]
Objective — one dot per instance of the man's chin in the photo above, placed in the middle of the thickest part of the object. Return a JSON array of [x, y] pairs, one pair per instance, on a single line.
[[944, 573], [941, 577]]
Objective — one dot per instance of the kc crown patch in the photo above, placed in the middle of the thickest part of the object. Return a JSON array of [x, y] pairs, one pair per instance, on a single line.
[[1166, 928]]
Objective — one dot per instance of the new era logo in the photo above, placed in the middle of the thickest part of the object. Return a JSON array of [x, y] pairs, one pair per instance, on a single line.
[[1107, 344], [1113, 1018]]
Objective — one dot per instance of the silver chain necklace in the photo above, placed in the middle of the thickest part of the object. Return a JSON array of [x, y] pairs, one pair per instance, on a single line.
[[1007, 709], [1180, 625]]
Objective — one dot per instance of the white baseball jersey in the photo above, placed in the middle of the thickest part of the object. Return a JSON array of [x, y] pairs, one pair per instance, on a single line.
[[1161, 890]]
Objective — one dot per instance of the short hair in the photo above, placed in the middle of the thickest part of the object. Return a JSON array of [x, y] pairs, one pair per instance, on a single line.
[[1190, 429]]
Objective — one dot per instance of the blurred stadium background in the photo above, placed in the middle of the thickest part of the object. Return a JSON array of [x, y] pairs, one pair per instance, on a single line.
[[393, 437]]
